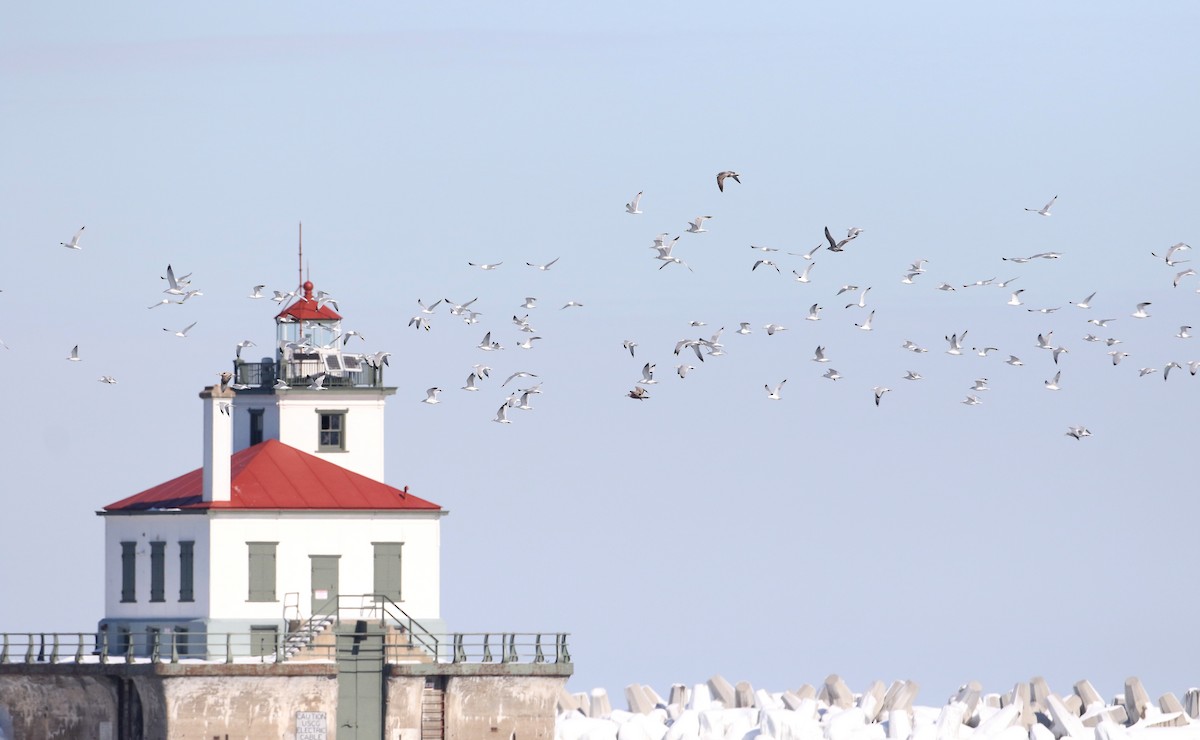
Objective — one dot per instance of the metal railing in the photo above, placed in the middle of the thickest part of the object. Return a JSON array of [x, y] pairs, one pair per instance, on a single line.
[[270, 647], [302, 368], [378, 607]]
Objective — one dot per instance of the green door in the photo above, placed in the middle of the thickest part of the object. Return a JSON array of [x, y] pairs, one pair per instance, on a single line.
[[360, 684], [324, 583]]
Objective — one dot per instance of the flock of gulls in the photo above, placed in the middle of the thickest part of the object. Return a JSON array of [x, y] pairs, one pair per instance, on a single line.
[[179, 291]]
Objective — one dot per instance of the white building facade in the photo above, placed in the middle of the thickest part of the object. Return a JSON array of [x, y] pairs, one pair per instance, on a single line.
[[288, 517]]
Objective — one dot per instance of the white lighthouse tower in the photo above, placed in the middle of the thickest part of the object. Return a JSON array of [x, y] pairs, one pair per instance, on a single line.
[[288, 517]]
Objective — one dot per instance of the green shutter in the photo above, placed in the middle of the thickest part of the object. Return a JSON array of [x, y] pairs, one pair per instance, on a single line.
[[388, 562], [128, 571], [262, 571], [157, 570], [187, 559]]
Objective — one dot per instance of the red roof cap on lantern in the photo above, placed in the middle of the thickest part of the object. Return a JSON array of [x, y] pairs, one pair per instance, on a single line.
[[272, 475], [306, 308]]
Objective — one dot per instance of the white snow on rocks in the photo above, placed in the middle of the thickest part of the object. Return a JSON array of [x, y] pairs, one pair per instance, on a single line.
[[718, 710]]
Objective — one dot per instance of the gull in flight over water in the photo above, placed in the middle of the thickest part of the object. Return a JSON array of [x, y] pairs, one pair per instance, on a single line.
[[647, 375], [528, 343], [768, 263], [1014, 361], [721, 179], [744, 328], [1016, 300], [1044, 210], [683, 370], [819, 355], [74, 243], [569, 304], [772, 328], [256, 291], [972, 400], [1184, 332], [910, 375], [629, 344], [1086, 302], [1168, 367], [862, 299], [809, 254], [1171, 250], [1181, 275], [1146, 371], [866, 325], [530, 302], [107, 379], [955, 341], [519, 374], [1078, 432], [832, 374], [912, 346], [774, 394], [836, 245], [632, 206], [697, 226], [470, 386]]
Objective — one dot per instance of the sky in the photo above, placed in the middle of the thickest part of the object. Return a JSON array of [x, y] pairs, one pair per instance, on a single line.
[[708, 529]]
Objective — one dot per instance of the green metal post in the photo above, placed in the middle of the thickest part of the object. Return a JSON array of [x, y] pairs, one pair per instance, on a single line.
[[103, 647], [174, 646], [562, 655], [4, 650], [460, 655], [487, 649], [54, 649], [79, 649], [228, 647], [155, 646], [29, 649], [538, 656], [510, 652]]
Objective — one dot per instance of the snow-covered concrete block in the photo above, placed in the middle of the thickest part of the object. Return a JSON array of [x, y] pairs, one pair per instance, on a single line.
[[950, 721], [1063, 720], [844, 724], [678, 696], [700, 698], [1040, 732], [1038, 691], [641, 727], [601, 707], [871, 700], [1000, 720], [637, 699], [1087, 694], [764, 699], [585, 703], [1169, 704], [685, 727], [838, 693], [567, 701], [1191, 703], [743, 694], [781, 724], [722, 690], [806, 691], [1137, 701], [899, 724], [1104, 713]]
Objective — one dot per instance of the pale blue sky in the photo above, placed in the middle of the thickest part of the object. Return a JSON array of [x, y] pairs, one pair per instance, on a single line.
[[709, 529]]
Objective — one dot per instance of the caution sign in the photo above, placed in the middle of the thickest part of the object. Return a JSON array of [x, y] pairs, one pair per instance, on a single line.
[[311, 726]]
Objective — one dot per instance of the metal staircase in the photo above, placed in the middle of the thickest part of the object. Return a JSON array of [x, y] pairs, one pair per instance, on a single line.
[[433, 710], [300, 638]]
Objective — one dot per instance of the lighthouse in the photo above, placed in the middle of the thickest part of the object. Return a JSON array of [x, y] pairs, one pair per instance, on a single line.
[[287, 519]]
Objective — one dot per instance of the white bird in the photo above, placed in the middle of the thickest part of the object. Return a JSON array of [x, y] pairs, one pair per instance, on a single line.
[[980, 385], [1046, 255], [528, 343], [846, 288], [317, 383], [485, 266], [647, 375], [1043, 310], [281, 385], [772, 328], [1184, 332], [544, 267], [1086, 302], [879, 391], [862, 299], [107, 379], [346, 335], [812, 313], [1171, 250], [832, 374], [768, 263], [431, 395], [819, 355], [674, 261], [1168, 367], [683, 370], [638, 393], [866, 325], [523, 402], [518, 374], [1193, 366], [802, 277], [972, 400], [632, 206], [1091, 338], [744, 328], [502, 414], [74, 243], [1015, 300], [697, 323], [955, 341], [163, 302], [482, 371], [1078, 432], [1140, 313], [530, 302], [809, 254], [1044, 210], [629, 344], [429, 309], [1052, 385], [1043, 340], [912, 347], [244, 344], [989, 281], [256, 291], [908, 278], [1014, 361], [983, 351], [910, 375], [174, 286], [1005, 283], [1146, 371], [182, 332], [1181, 275], [946, 286], [1111, 341], [487, 345], [1118, 356], [569, 304], [774, 394], [765, 249], [1058, 351], [721, 179], [470, 386], [696, 226], [1100, 322], [420, 322], [918, 266]]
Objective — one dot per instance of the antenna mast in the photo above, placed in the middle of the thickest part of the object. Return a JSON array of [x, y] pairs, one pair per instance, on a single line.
[[300, 257]]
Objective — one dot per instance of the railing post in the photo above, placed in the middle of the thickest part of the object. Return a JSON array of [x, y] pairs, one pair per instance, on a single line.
[[79, 649], [103, 647], [279, 652], [460, 655], [174, 646], [29, 649], [510, 652], [54, 649], [41, 647], [4, 650], [129, 648], [228, 647], [487, 648], [155, 646], [538, 656], [562, 656]]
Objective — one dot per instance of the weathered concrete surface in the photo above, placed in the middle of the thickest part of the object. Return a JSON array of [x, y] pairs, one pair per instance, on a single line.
[[38, 706], [243, 707], [501, 706]]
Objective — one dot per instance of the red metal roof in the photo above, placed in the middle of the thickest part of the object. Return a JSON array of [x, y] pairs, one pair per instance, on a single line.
[[306, 309], [271, 475]]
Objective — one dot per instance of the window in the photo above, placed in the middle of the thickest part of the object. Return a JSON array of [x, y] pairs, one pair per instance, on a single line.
[[187, 559], [387, 569], [256, 426], [128, 571], [331, 431], [262, 570], [157, 570]]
